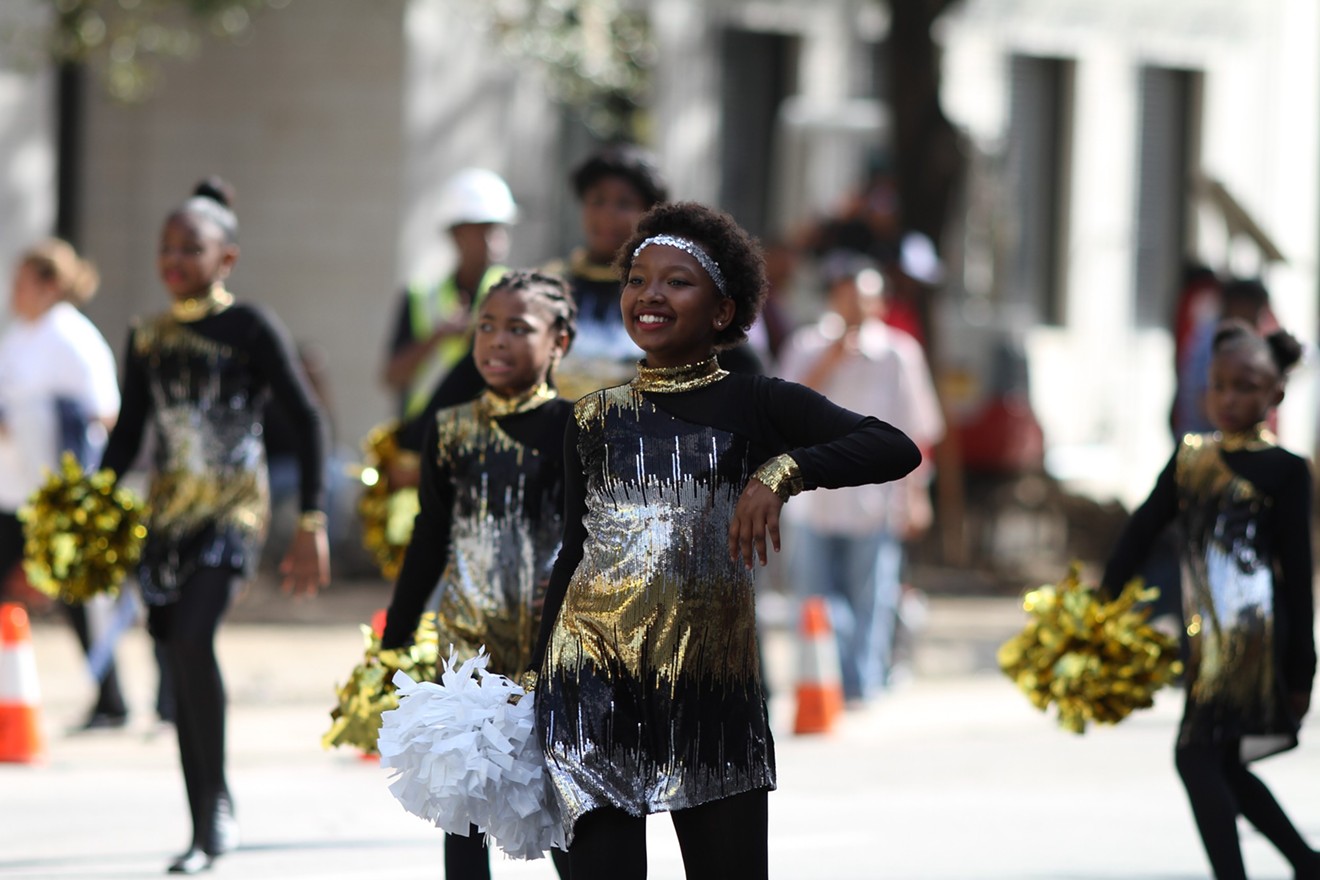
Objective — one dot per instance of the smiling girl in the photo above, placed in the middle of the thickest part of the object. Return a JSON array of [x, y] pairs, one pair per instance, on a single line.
[[650, 696], [198, 377], [491, 498], [1243, 506]]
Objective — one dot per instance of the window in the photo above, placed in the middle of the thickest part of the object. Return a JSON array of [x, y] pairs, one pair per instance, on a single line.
[[1039, 161], [1168, 153]]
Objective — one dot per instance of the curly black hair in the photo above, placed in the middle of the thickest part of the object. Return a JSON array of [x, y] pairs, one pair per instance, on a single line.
[[627, 161], [550, 290], [736, 253]]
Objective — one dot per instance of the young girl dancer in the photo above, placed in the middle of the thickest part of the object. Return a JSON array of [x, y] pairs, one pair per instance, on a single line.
[[199, 375], [1243, 506], [491, 493], [650, 695]]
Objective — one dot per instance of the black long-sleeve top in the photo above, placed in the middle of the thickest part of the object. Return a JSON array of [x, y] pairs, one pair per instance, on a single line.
[[833, 447], [1285, 479], [264, 361]]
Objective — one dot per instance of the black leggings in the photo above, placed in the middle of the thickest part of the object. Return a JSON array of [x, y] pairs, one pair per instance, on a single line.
[[721, 839], [1220, 787], [466, 858], [185, 633]]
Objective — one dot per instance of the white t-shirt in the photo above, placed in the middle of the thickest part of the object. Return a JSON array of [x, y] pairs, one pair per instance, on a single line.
[[885, 377], [59, 355]]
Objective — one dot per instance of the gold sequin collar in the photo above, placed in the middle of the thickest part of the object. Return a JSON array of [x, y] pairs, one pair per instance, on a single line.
[[670, 380], [498, 407], [195, 308], [1252, 440]]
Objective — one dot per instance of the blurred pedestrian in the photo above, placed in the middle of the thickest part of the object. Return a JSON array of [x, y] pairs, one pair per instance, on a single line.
[[650, 695], [58, 393], [198, 377], [491, 495], [431, 331], [1243, 505], [848, 543]]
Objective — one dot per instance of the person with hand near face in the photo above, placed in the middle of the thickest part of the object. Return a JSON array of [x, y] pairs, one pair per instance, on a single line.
[[649, 690], [58, 392], [848, 543], [1243, 507], [198, 377]]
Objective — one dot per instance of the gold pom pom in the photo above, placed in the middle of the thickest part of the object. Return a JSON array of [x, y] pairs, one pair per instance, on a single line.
[[82, 533], [386, 511], [370, 689], [1096, 661]]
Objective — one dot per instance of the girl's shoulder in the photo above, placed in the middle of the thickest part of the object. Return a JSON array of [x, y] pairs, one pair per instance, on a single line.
[[590, 409]]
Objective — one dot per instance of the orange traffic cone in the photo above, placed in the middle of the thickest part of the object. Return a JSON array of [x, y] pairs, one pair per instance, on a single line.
[[819, 689], [20, 728]]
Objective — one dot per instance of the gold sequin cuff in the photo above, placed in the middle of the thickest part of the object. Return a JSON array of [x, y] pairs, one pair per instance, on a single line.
[[527, 681], [781, 474], [311, 521]]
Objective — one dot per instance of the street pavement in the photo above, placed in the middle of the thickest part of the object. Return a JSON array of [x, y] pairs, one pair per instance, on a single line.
[[951, 776]]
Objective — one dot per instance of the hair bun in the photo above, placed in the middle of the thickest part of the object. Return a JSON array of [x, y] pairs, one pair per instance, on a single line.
[[217, 189], [1285, 348]]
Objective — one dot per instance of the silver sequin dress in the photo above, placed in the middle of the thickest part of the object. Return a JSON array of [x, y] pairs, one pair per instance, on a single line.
[[201, 388], [650, 696], [1234, 689], [1241, 506]]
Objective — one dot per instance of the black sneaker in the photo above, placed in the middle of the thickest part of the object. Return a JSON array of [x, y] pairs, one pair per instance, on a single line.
[[103, 721]]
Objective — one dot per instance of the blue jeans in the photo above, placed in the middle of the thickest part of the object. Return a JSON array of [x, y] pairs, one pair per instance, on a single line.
[[858, 575]]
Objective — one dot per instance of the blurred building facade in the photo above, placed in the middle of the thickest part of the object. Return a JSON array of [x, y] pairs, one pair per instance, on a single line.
[[1123, 139], [338, 122]]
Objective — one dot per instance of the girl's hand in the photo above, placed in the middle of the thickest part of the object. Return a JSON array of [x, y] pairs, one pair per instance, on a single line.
[[306, 567], [1300, 703], [756, 514]]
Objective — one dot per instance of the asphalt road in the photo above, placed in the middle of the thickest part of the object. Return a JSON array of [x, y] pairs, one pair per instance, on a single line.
[[951, 776]]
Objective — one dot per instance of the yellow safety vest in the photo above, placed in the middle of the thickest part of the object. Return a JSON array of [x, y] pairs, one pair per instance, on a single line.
[[428, 305]]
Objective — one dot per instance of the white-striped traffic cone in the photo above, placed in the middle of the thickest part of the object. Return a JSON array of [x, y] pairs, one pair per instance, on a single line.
[[20, 696], [820, 686]]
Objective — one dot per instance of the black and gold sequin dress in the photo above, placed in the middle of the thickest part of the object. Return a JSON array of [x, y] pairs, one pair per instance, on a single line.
[[1242, 506], [489, 527], [650, 695], [201, 385]]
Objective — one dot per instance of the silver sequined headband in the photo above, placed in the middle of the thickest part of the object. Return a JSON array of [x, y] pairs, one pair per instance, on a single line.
[[688, 246]]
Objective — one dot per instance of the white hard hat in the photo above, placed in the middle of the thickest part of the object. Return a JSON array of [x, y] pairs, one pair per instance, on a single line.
[[475, 195], [918, 260]]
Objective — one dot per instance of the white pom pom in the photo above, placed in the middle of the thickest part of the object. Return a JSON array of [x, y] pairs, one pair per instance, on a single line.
[[464, 755]]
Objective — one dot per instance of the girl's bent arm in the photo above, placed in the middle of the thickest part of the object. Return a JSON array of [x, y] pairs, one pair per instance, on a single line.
[[274, 356], [428, 551], [1296, 591], [1141, 531], [126, 438], [832, 446]]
